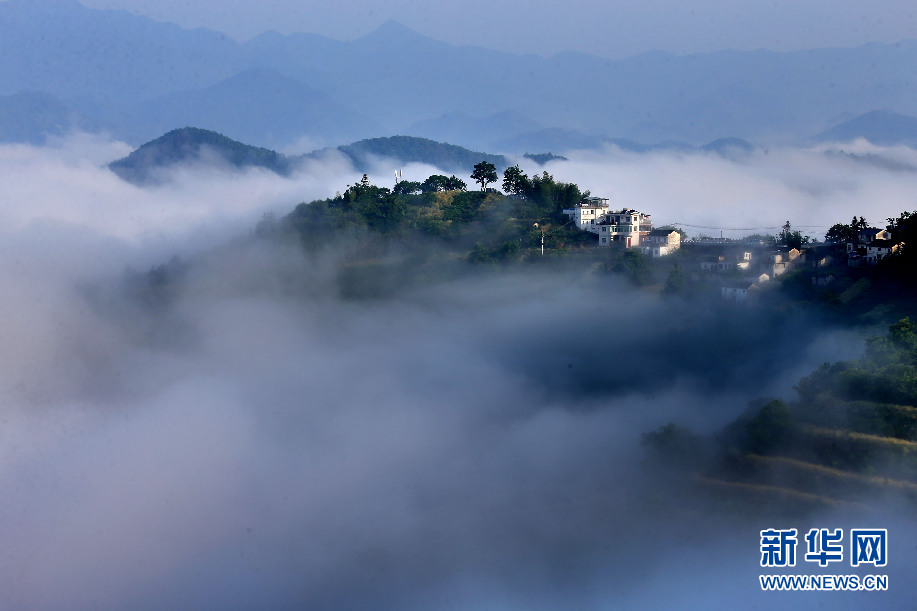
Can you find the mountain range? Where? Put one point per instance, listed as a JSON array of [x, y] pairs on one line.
[[135, 78], [151, 162]]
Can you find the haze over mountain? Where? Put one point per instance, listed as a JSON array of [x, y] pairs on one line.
[[192, 145], [136, 78], [882, 128]]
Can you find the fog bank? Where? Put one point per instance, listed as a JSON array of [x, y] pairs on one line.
[[252, 440]]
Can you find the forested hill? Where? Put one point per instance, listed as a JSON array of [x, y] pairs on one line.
[[409, 149], [879, 127], [191, 144], [850, 440]]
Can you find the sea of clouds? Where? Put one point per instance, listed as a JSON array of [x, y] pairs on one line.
[[470, 444]]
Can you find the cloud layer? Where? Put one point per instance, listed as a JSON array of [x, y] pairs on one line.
[[252, 440]]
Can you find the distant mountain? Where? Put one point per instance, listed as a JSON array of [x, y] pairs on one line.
[[194, 145], [189, 145], [65, 49], [885, 162], [408, 149], [543, 158], [551, 138], [879, 127], [729, 146], [258, 106], [33, 117], [486, 132], [558, 139], [135, 77]]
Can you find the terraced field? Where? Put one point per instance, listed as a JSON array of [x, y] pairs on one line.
[[868, 456]]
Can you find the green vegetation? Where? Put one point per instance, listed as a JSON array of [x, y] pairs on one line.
[[543, 158], [438, 182], [636, 266], [484, 173], [188, 144], [792, 239], [409, 149], [840, 233], [677, 282], [480, 226], [850, 437]]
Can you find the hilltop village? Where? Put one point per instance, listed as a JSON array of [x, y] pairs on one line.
[[419, 232], [740, 267]]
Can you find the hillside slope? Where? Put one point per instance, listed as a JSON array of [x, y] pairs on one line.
[[189, 145]]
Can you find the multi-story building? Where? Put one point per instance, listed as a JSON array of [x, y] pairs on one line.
[[626, 227], [587, 213]]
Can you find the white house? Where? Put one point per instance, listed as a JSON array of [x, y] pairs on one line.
[[871, 234], [780, 262], [722, 264], [736, 292], [661, 242], [626, 227], [586, 213], [878, 250]]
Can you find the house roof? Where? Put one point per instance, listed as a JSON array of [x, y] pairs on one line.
[[881, 244]]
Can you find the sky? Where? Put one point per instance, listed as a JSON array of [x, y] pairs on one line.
[[545, 27]]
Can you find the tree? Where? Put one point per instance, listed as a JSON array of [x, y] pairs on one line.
[[904, 228], [551, 195], [635, 265], [434, 183], [677, 283], [841, 234], [515, 182], [484, 174], [772, 427], [793, 239], [438, 182], [406, 187], [455, 184], [673, 443]]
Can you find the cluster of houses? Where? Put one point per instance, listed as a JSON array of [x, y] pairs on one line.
[[626, 227], [871, 246], [742, 266], [747, 268]]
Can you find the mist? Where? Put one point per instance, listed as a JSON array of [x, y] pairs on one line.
[[254, 440]]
